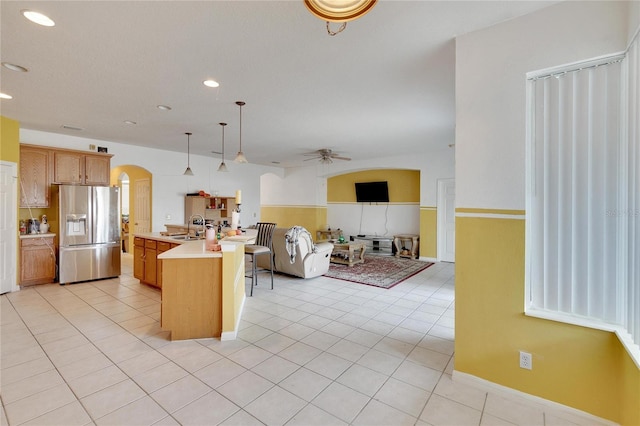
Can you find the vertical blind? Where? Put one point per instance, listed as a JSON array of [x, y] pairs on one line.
[[631, 193], [583, 206]]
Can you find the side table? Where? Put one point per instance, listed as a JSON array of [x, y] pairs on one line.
[[345, 254], [406, 245]]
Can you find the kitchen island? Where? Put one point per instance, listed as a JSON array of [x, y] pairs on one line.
[[202, 291]]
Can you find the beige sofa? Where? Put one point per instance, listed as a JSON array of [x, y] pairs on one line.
[[307, 264]]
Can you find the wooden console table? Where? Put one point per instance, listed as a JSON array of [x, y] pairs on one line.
[[401, 242], [345, 254]]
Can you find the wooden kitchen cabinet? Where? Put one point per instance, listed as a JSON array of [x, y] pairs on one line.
[[34, 177], [151, 262], [138, 258], [146, 266], [97, 170], [37, 260], [72, 167], [162, 247]]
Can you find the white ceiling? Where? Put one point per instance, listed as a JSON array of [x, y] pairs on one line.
[[383, 86]]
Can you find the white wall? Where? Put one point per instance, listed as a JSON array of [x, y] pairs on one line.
[[490, 90], [374, 219], [169, 185]]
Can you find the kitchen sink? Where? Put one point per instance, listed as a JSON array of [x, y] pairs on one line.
[[187, 237]]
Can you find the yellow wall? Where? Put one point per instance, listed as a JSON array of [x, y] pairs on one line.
[[233, 288], [9, 140], [428, 232], [404, 185], [580, 367], [312, 218]]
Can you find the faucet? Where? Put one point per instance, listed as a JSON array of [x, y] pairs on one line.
[[191, 221]]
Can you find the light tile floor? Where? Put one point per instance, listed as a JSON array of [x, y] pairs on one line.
[[310, 352]]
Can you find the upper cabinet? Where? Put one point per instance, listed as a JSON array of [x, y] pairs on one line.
[[80, 168], [67, 167], [40, 166], [97, 170], [34, 177]]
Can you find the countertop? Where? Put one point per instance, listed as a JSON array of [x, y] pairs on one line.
[[48, 234], [195, 248]]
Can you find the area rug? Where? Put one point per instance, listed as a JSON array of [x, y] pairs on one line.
[[378, 271]]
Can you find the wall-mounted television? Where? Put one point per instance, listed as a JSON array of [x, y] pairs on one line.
[[372, 192]]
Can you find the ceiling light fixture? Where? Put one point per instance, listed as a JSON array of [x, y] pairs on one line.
[[5, 96], [38, 18], [130, 122], [188, 172], [14, 67], [240, 158], [211, 83], [223, 166], [339, 11], [164, 107]]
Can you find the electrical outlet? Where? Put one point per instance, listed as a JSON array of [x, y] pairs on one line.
[[92, 147], [526, 360], [167, 216]]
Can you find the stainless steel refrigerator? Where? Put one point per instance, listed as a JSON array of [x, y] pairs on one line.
[[89, 233]]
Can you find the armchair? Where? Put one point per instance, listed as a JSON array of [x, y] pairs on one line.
[[306, 263]]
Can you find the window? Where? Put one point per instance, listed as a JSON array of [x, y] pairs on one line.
[[583, 195]]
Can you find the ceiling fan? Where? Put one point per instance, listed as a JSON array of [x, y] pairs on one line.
[[326, 156]]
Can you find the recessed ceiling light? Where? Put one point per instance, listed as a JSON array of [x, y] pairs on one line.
[[211, 83], [275, 162], [14, 67], [66, 126], [164, 107], [5, 96], [38, 18], [130, 122]]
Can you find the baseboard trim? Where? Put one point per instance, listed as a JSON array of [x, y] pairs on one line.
[[485, 385], [428, 259], [232, 335]]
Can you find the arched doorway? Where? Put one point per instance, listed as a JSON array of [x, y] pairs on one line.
[[136, 181]]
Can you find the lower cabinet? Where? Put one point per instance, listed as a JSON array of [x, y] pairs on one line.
[[37, 260], [146, 266]]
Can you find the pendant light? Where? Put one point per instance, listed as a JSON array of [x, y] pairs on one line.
[[240, 158], [188, 172], [223, 166]]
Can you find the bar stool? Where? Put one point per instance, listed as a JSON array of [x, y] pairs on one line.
[[263, 245], [401, 241]]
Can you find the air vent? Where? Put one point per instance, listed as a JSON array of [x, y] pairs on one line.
[[65, 126]]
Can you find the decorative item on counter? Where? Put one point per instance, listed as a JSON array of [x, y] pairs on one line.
[[23, 227], [44, 225], [341, 239], [211, 242], [34, 226]]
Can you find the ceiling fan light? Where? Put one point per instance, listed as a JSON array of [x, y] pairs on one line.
[[326, 160], [240, 158], [339, 10]]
